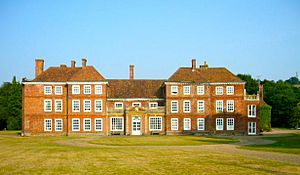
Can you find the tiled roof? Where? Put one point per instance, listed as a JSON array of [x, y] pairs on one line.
[[135, 89], [204, 74], [64, 74]]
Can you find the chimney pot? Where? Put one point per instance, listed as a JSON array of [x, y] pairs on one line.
[[193, 64], [131, 72], [73, 63], [84, 60], [39, 67]]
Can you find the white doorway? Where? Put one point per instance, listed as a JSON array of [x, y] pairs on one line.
[[136, 126]]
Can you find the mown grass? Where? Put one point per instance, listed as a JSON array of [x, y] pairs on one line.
[[161, 141], [283, 144], [42, 155]]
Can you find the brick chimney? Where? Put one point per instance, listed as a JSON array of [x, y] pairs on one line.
[[73, 63], [83, 62], [261, 91], [131, 72], [193, 64], [39, 67]]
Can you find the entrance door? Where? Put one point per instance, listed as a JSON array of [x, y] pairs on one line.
[[136, 126], [251, 128]]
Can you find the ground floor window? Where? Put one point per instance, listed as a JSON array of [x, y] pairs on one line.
[[155, 123], [201, 124], [230, 123], [58, 124], [87, 124], [98, 124], [117, 124], [187, 124], [251, 128], [75, 124], [48, 125], [219, 123], [174, 124]]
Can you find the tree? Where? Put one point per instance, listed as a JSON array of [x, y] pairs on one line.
[[295, 117], [251, 84], [293, 81]]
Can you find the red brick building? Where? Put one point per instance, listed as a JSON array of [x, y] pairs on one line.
[[194, 100]]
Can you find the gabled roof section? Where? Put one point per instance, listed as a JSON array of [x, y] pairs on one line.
[[65, 74], [135, 89], [204, 75]]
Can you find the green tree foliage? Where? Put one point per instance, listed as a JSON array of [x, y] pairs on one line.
[[265, 117], [295, 117], [251, 84], [11, 105], [293, 81]]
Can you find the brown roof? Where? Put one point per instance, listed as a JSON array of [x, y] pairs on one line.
[[64, 74], [135, 89], [204, 74]]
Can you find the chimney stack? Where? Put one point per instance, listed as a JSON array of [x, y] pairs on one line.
[[84, 62], [261, 91], [39, 67], [131, 72], [193, 64], [73, 63]]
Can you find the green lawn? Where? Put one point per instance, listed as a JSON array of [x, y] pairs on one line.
[[42, 155], [283, 144], [161, 140]]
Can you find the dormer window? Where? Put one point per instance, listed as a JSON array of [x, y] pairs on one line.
[[153, 105], [136, 104], [118, 105], [174, 90]]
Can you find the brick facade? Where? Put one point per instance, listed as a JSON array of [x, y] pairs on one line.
[[136, 107]]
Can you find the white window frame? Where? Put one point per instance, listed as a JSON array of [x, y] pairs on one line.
[[98, 91], [73, 119], [219, 90], [45, 105], [174, 90], [188, 106], [57, 127], [96, 124], [73, 109], [252, 128], [56, 104], [156, 125], [219, 127], [113, 127], [47, 91], [47, 128], [218, 102], [96, 108], [139, 104], [251, 111], [230, 103], [230, 90], [75, 88], [57, 91], [200, 90], [87, 89], [187, 124], [118, 103], [202, 122], [85, 124], [201, 106], [85, 108], [186, 90], [177, 104], [174, 127], [230, 127], [153, 105]]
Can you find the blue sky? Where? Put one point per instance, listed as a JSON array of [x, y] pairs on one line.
[[257, 37]]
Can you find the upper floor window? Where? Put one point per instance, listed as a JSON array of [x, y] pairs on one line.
[[153, 105], [87, 105], [136, 104], [58, 106], [98, 105], [230, 105], [75, 105], [219, 90], [47, 90], [75, 89], [200, 105], [118, 105], [186, 106], [186, 90], [174, 106], [230, 90], [251, 110], [219, 106], [58, 90], [174, 90], [98, 89], [87, 89], [200, 90], [47, 105]]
